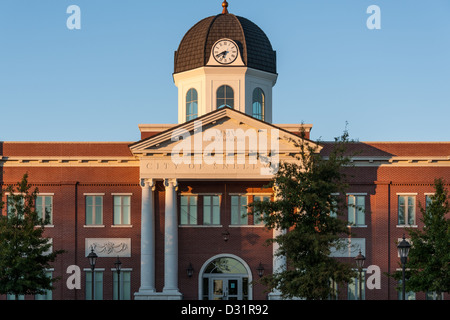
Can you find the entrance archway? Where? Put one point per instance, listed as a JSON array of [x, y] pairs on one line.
[[225, 277]]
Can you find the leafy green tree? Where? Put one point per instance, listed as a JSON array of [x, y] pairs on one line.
[[307, 205], [24, 253], [428, 265]]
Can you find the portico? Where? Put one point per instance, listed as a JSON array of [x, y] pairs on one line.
[[198, 157]]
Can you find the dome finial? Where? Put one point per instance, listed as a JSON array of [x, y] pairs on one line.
[[225, 7]]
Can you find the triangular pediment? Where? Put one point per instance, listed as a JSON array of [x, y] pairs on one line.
[[223, 144], [226, 124]]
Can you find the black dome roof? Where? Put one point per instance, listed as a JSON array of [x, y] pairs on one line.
[[195, 48]]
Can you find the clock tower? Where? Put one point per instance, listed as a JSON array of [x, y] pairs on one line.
[[225, 61]]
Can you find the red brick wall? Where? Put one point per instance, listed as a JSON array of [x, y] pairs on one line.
[[198, 244]]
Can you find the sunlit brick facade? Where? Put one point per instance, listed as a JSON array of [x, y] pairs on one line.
[[176, 227]]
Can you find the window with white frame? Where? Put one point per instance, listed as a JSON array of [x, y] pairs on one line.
[[98, 285], [356, 209], [239, 210], [428, 199], [94, 209], [211, 210], [125, 285], [225, 97], [353, 291], [257, 216], [188, 210], [429, 295], [409, 295], [258, 104], [44, 208], [13, 204], [191, 105], [48, 293], [122, 209], [406, 209]]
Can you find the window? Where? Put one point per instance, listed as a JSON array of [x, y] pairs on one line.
[[122, 210], [191, 105], [356, 207], [257, 216], [225, 97], [353, 287], [406, 209], [125, 285], [94, 210], [428, 200], [98, 285], [409, 295], [44, 208], [211, 210], [188, 210], [48, 293], [433, 296], [334, 290], [259, 104], [239, 210], [14, 205]]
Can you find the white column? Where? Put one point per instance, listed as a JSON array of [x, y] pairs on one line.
[[279, 262], [171, 240], [147, 238]]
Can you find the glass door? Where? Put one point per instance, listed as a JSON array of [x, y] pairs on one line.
[[233, 291], [217, 290], [225, 289]]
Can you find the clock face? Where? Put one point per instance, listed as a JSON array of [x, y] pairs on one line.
[[225, 51]]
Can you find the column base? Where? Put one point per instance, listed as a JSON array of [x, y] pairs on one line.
[[274, 296], [168, 295]]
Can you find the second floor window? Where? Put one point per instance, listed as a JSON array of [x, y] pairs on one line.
[[257, 216], [211, 210], [188, 210], [356, 207], [406, 209], [239, 210], [44, 208], [122, 210], [94, 210]]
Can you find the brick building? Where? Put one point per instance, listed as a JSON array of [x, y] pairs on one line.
[[173, 220]]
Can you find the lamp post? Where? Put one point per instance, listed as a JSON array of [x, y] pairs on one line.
[[118, 266], [92, 261], [403, 251], [359, 259]]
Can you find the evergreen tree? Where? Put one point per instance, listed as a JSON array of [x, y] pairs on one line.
[[428, 265], [307, 205], [24, 254]]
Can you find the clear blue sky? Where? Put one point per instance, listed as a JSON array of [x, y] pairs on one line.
[[100, 82]]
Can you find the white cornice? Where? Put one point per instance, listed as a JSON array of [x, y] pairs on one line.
[[412, 161], [21, 161]]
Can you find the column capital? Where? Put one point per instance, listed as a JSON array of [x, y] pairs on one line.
[[148, 182], [171, 182]]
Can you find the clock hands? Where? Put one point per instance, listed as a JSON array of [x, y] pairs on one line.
[[223, 54]]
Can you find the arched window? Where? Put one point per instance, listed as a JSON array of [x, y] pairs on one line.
[[225, 97], [259, 103], [191, 105]]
